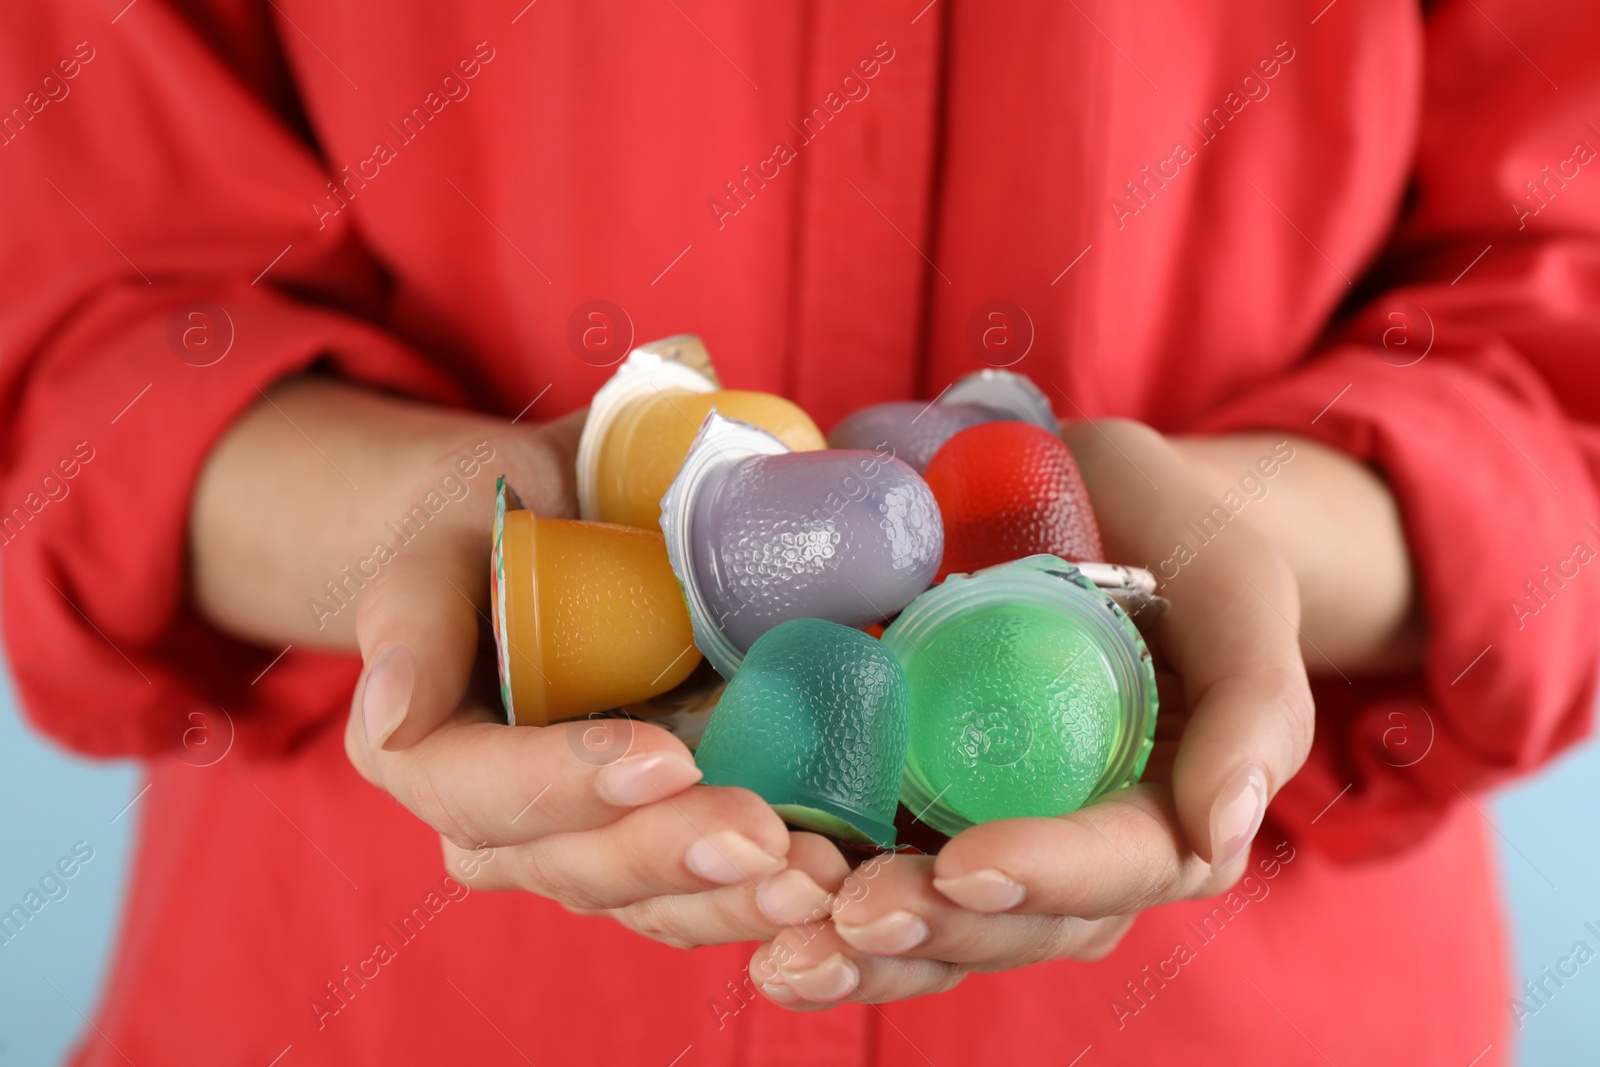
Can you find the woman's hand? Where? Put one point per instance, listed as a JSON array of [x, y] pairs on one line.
[[594, 814], [1235, 725]]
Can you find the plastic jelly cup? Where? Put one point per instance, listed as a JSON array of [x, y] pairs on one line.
[[913, 431], [759, 535], [1008, 490], [642, 422], [1032, 694], [815, 723], [587, 616]]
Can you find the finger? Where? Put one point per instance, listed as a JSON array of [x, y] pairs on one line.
[[484, 783], [1117, 856], [418, 620], [812, 967], [540, 464], [1231, 634], [792, 897], [889, 907], [417, 625], [701, 839], [1233, 639], [561, 438]]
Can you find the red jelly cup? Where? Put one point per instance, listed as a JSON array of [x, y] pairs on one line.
[[1008, 490]]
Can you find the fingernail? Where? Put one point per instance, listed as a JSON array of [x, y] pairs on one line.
[[832, 979], [887, 935], [727, 858], [637, 780], [986, 890], [387, 694], [1236, 814], [779, 993], [790, 898]]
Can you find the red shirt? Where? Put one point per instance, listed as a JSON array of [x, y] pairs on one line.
[[1362, 224]]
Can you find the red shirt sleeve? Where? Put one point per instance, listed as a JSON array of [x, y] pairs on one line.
[[1470, 381], [161, 267]]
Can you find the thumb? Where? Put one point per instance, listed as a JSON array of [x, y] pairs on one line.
[[1231, 636], [418, 632], [418, 627]]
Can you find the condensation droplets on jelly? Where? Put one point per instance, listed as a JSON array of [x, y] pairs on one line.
[[847, 536], [1015, 706]]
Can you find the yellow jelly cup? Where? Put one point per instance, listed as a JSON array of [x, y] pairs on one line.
[[646, 444], [642, 422]]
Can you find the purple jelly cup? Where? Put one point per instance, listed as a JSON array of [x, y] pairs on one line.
[[759, 535], [913, 430], [909, 430]]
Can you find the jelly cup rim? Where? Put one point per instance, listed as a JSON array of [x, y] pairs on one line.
[[720, 444], [645, 371], [502, 616], [1005, 391], [497, 592], [1052, 582]]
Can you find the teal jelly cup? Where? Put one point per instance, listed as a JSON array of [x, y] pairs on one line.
[[1032, 694], [815, 723]]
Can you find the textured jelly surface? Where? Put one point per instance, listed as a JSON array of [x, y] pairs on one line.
[[846, 536], [612, 625], [1008, 490], [908, 429], [646, 445], [816, 716], [1015, 713]]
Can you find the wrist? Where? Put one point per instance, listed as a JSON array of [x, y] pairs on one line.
[[321, 481], [1338, 526]]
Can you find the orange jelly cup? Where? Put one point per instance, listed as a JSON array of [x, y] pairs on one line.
[[587, 617]]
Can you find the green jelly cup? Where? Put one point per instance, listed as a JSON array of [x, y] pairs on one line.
[[1032, 694], [815, 723]]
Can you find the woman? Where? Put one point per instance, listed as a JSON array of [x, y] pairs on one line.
[[281, 272]]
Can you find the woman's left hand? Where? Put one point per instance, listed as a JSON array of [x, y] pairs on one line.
[[1236, 724]]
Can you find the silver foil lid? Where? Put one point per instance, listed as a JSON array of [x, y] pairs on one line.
[[1005, 391], [721, 443], [673, 365]]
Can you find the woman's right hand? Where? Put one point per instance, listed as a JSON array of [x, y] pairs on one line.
[[595, 814]]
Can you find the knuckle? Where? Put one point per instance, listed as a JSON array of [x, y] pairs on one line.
[[1102, 938], [1156, 876], [1054, 935], [950, 978], [900, 979], [541, 870], [650, 918], [423, 793], [1054, 940], [468, 866]]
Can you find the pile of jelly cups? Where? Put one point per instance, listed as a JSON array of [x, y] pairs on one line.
[[732, 567]]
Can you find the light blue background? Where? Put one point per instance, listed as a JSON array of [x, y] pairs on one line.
[[51, 800]]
